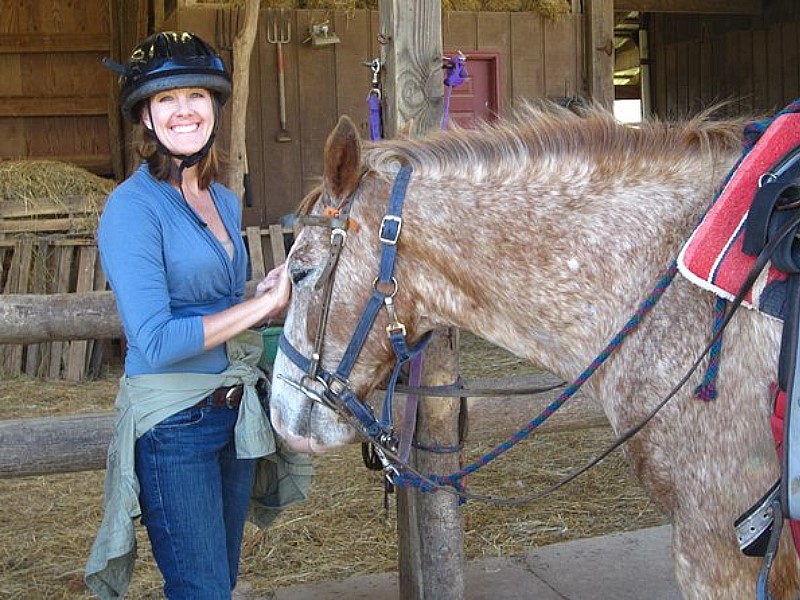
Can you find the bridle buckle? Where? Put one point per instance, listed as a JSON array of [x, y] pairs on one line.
[[388, 237]]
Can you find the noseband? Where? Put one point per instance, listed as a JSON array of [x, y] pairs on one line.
[[332, 389]]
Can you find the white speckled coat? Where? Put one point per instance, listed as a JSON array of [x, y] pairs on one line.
[[542, 235]]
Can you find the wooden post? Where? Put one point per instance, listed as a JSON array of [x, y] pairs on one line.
[[413, 83], [599, 30], [242, 49], [430, 525]]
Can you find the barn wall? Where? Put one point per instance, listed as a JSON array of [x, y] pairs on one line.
[[538, 58], [58, 102], [750, 62], [54, 99]]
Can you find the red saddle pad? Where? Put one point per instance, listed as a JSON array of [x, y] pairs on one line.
[[712, 258]]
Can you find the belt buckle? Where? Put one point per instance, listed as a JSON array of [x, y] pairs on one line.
[[229, 397]]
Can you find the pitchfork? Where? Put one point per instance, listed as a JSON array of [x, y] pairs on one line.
[[279, 32]]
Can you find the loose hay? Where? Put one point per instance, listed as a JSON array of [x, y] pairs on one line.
[[549, 8], [48, 523], [48, 180], [44, 186]]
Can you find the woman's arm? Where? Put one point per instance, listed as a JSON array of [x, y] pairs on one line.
[[275, 293]]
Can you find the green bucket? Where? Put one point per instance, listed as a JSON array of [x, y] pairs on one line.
[[269, 339]]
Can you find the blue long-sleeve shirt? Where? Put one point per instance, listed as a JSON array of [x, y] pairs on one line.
[[167, 270]]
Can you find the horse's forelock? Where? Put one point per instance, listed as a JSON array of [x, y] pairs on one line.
[[517, 147]]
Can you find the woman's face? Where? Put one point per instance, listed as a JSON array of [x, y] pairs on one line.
[[183, 119]]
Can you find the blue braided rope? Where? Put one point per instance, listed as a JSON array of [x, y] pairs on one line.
[[707, 390], [406, 479]]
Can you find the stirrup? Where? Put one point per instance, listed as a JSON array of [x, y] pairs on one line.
[[753, 528]]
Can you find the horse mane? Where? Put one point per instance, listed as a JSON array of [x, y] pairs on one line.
[[536, 135]]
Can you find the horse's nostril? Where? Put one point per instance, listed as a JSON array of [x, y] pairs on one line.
[[299, 274]]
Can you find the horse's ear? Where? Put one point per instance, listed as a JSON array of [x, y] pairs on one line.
[[342, 159]]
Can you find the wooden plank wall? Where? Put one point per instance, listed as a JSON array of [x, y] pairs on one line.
[[55, 100], [750, 62], [538, 57], [38, 265]]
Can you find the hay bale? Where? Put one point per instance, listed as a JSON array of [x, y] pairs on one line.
[[48, 179]]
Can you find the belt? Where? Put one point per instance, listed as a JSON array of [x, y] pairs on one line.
[[224, 397]]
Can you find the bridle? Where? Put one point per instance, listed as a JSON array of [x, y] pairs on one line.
[[332, 388]]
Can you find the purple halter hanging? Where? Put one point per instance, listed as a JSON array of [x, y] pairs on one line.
[[456, 75]]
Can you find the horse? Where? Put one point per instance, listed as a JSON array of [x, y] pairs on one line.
[[542, 233]]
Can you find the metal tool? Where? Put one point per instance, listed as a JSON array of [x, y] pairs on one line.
[[279, 32]]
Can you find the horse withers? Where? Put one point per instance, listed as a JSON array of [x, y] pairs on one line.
[[542, 234]]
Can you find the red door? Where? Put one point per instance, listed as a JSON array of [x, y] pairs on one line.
[[478, 97]]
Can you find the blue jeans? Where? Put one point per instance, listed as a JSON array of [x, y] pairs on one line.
[[194, 497]]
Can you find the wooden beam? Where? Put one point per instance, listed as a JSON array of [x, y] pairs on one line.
[[63, 224], [599, 33], [68, 444], [412, 63], [30, 318], [243, 45], [430, 525], [13, 208], [704, 7], [33, 43], [54, 106], [54, 445]]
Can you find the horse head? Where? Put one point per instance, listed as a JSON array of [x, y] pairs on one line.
[[333, 266]]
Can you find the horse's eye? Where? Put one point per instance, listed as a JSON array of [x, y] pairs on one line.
[[298, 274]]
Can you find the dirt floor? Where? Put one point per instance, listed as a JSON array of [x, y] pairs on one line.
[[47, 523]]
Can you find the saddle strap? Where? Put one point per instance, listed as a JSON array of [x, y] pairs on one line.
[[776, 421]]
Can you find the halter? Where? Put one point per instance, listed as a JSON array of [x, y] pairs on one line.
[[332, 389]]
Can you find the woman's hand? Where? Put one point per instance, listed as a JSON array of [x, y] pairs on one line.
[[270, 280], [277, 285]]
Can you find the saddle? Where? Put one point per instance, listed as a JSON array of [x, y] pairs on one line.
[[774, 217], [758, 209]]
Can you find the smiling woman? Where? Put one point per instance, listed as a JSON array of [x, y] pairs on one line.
[[188, 410]]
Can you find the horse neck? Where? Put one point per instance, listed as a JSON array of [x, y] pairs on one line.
[[548, 270]]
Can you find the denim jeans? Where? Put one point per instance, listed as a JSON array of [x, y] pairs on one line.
[[194, 496]]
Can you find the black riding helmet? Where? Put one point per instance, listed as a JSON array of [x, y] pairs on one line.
[[169, 60]]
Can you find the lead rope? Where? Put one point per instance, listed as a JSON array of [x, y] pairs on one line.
[[428, 482], [404, 479]]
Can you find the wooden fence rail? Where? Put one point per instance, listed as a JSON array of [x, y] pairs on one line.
[[43, 446], [56, 314]]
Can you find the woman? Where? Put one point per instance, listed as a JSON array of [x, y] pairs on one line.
[[189, 420]]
